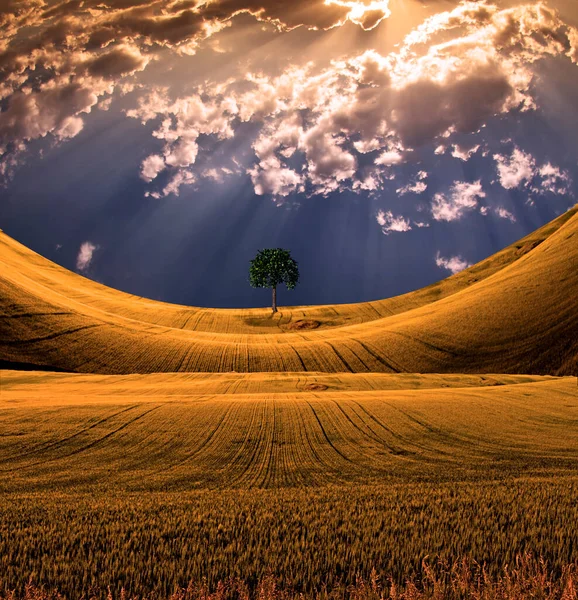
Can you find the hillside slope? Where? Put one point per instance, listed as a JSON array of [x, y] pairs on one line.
[[514, 312], [187, 431]]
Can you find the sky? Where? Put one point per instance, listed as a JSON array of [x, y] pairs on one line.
[[156, 146]]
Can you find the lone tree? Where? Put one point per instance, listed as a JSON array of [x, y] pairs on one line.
[[272, 267]]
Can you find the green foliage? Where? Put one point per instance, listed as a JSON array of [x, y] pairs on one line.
[[272, 267]]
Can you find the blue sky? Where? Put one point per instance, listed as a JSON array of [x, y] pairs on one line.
[[156, 146]]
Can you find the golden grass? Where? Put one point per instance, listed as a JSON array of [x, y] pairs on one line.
[[306, 539], [144, 483], [197, 443], [514, 312], [527, 578], [188, 431]]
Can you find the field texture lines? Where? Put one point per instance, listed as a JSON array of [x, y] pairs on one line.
[[172, 431], [144, 445], [514, 312]]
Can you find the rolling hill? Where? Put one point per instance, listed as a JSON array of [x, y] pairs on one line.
[[149, 463], [280, 430], [514, 312]]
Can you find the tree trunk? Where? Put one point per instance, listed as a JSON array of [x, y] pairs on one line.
[[274, 299]]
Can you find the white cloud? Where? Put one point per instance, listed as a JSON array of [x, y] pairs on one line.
[[463, 152], [573, 51], [418, 186], [388, 158], [388, 222], [48, 86], [184, 153], [453, 264], [151, 166], [85, 254], [451, 75], [505, 214], [276, 181], [179, 179], [520, 170], [554, 180], [217, 174], [517, 169], [462, 197]]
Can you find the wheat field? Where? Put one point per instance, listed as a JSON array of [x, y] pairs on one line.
[[144, 446], [180, 431], [513, 313]]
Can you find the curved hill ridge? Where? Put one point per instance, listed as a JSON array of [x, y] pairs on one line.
[[514, 312]]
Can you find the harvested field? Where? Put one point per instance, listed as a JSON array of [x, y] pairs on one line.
[[193, 431], [514, 312]]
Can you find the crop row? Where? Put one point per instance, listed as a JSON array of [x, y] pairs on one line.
[[287, 440]]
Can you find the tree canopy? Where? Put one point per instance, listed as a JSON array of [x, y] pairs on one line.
[[272, 267]]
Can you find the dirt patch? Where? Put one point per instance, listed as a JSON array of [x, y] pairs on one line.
[[257, 322], [527, 247], [315, 387], [489, 381], [303, 324]]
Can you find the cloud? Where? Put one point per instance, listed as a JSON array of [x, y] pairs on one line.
[[61, 58], [454, 264], [418, 186], [85, 254], [415, 188], [573, 50], [316, 14], [316, 129], [452, 75], [50, 91], [553, 179], [119, 61], [179, 179], [276, 181], [462, 197], [520, 170], [388, 158], [152, 166], [388, 222], [463, 152], [505, 214], [517, 169]]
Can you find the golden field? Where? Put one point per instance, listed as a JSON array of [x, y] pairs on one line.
[[308, 538], [514, 312], [145, 445], [193, 431]]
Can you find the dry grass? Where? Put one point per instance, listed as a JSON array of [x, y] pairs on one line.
[[308, 540], [527, 578], [514, 312], [189, 431]]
